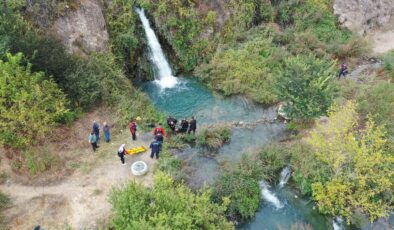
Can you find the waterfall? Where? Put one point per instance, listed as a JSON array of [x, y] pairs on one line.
[[337, 223], [269, 196], [164, 76], [284, 176]]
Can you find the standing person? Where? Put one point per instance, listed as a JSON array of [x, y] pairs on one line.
[[106, 132], [171, 122], [193, 126], [159, 129], [96, 130], [159, 137], [133, 129], [121, 153], [156, 148], [93, 141], [343, 71], [184, 125]]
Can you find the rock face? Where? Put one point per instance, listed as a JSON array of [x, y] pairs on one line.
[[83, 30], [374, 18], [365, 15]]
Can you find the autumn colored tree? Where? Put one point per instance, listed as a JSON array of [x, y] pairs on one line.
[[360, 174]]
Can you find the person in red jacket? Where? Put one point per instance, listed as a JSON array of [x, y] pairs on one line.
[[133, 129], [159, 129]]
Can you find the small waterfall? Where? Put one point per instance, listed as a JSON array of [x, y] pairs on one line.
[[337, 223], [284, 176], [165, 78], [269, 196]]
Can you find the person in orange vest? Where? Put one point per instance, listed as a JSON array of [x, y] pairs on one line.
[[159, 129]]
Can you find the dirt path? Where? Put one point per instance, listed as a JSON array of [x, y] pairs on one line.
[[80, 201]]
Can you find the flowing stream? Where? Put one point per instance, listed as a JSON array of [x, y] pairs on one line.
[[252, 127]]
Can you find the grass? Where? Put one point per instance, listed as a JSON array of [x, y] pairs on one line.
[[4, 203], [213, 138]]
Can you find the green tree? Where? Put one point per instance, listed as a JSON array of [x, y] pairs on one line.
[[30, 105], [306, 86], [167, 205], [360, 174]]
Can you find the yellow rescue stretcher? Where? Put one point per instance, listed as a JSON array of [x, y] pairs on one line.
[[136, 150]]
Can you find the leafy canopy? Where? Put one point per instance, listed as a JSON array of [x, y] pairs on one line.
[[359, 174], [306, 85], [166, 206], [29, 105]]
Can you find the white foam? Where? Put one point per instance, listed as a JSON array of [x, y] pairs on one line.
[[165, 79], [269, 196]]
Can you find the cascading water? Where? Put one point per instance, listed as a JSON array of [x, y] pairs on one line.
[[337, 223], [284, 176], [164, 76], [269, 196]]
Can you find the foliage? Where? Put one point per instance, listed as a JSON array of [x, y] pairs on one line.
[[183, 27], [213, 138], [169, 164], [359, 169], [244, 193], [30, 105], [389, 63], [181, 141], [306, 86], [39, 162], [378, 100], [241, 184], [244, 68], [4, 203], [166, 206]]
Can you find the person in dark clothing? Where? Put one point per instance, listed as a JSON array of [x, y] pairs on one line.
[[172, 123], [96, 130], [156, 148], [159, 137], [121, 153], [193, 126], [133, 129], [343, 71], [184, 126], [38, 227]]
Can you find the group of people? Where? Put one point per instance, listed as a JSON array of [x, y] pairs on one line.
[[94, 136], [158, 132], [185, 125]]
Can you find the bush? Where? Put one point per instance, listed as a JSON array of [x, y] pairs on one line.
[[213, 138], [359, 166], [166, 206], [181, 141], [30, 105], [389, 63], [169, 164], [243, 191], [307, 87]]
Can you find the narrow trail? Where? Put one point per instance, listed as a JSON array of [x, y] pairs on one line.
[[81, 201]]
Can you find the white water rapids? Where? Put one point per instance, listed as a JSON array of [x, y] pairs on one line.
[[164, 76], [269, 196]]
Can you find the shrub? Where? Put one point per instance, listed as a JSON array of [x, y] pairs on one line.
[[213, 138], [166, 206], [169, 164], [306, 85], [243, 191], [359, 167], [30, 105], [389, 63]]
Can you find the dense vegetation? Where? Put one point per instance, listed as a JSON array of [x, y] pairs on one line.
[[270, 51], [167, 205]]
